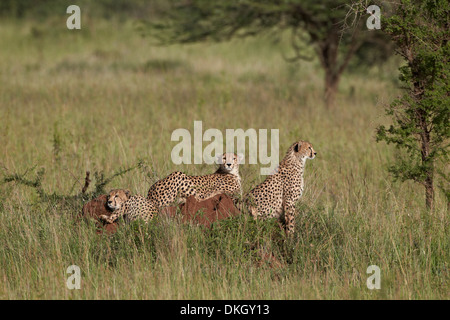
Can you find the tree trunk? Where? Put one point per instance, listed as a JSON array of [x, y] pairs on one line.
[[429, 192], [428, 183], [331, 87], [328, 53], [425, 138], [426, 160]]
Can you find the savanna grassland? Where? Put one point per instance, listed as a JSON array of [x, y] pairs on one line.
[[104, 99]]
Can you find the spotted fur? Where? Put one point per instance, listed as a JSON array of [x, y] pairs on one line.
[[178, 186], [278, 194], [129, 207]]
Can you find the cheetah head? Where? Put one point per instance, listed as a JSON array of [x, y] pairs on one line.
[[117, 197], [229, 163], [303, 150]]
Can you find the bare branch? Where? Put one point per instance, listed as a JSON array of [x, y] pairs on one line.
[[87, 181]]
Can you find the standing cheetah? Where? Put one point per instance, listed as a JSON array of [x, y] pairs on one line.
[[130, 207], [180, 186], [279, 192]]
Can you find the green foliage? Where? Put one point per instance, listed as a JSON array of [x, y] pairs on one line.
[[421, 115], [311, 22], [201, 20]]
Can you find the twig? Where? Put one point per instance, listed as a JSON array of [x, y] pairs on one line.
[[87, 181]]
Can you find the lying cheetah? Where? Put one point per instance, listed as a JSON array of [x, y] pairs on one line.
[[180, 186], [130, 207], [280, 191]]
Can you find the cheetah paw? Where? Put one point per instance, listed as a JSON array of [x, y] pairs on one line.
[[106, 218]]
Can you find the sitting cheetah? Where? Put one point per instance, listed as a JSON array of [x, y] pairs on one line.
[[280, 191], [131, 207], [180, 186]]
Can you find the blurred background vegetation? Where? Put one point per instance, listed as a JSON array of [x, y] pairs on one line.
[[44, 9], [328, 30]]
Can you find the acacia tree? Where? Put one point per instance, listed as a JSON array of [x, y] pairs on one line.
[[420, 30], [317, 23]]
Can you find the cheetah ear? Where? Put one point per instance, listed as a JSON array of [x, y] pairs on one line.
[[240, 157], [297, 147], [127, 193]]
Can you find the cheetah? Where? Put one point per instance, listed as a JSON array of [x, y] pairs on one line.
[[131, 207], [179, 186], [280, 191]]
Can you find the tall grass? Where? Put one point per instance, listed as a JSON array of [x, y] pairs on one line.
[[104, 98]]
